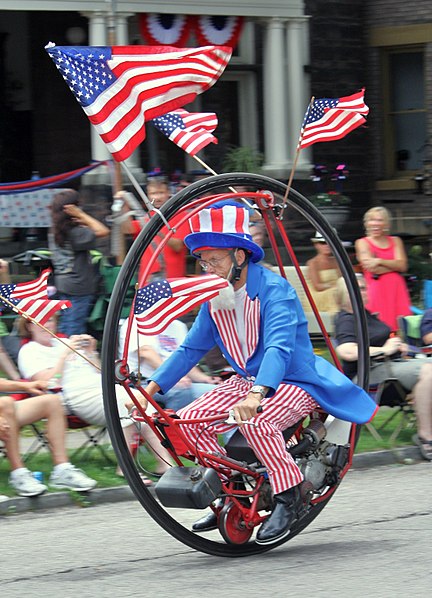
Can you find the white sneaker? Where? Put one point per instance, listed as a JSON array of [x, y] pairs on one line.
[[25, 484], [71, 478]]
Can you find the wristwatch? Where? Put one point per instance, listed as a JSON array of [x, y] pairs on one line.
[[262, 390]]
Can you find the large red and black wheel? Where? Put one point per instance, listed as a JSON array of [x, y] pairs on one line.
[[298, 209]]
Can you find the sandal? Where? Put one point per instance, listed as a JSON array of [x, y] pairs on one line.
[[425, 447], [145, 480]]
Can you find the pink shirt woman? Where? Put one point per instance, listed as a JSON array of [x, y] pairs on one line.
[[383, 259]]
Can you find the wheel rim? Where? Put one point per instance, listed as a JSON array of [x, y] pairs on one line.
[[109, 353]]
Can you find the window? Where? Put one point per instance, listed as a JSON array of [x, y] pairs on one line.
[[405, 136]]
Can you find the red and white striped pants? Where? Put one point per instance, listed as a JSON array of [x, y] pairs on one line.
[[285, 408]]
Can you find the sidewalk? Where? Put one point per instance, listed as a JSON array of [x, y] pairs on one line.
[[402, 456]]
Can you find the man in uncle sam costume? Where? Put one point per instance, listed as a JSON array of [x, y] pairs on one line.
[[259, 325]]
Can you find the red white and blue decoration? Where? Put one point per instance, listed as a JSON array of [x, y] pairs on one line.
[[226, 30], [225, 227], [162, 29]]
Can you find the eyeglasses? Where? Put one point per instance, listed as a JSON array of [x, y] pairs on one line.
[[213, 263]]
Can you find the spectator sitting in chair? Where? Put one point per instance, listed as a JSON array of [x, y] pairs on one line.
[[153, 350], [45, 357], [426, 327], [16, 414], [415, 375]]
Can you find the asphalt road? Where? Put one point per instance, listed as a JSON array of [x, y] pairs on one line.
[[372, 539]]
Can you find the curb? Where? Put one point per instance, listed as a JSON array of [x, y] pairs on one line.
[[19, 504]]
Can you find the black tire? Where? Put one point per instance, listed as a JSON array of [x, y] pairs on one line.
[[210, 185]]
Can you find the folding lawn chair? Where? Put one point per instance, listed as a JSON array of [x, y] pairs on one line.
[[94, 436], [390, 394], [409, 327]]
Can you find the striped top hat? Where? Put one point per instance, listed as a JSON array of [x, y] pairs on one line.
[[225, 227]]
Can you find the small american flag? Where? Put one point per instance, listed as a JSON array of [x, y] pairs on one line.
[[329, 119], [122, 87], [162, 301], [41, 310], [191, 131], [33, 289]]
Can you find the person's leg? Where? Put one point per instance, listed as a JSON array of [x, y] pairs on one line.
[[219, 400], [47, 407], [199, 388], [74, 320], [423, 402], [176, 398], [130, 429], [20, 478], [288, 406], [7, 410]]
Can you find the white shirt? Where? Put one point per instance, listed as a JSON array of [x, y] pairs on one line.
[[164, 344], [239, 297]]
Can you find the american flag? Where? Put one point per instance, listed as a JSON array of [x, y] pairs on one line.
[[329, 119], [191, 131], [162, 301], [32, 298], [33, 289], [41, 310], [122, 87]]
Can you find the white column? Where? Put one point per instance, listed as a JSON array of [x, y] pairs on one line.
[[122, 39], [97, 37], [276, 134], [298, 86]]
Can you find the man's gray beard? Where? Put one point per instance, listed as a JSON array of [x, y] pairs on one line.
[[225, 299]]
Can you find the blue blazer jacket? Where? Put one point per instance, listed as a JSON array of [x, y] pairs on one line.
[[284, 353]]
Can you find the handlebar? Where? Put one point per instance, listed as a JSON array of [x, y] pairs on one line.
[[222, 417]]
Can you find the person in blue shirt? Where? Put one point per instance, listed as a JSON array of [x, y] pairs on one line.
[[259, 325], [426, 327]]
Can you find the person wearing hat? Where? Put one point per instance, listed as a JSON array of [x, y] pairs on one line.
[[322, 275], [260, 327]]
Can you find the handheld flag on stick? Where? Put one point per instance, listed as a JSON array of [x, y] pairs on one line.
[[122, 87], [41, 310], [329, 119], [162, 301], [191, 131], [31, 299], [32, 289]]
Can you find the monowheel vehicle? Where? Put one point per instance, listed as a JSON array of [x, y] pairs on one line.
[[235, 485]]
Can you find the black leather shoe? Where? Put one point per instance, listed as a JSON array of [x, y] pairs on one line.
[[285, 512], [207, 523]]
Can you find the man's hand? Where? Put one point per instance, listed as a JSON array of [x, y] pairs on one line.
[[152, 388], [247, 409]]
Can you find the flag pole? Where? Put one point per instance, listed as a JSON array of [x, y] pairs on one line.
[[204, 165], [34, 321], [150, 207], [296, 157]]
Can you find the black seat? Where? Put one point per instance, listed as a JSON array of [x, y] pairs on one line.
[[238, 448]]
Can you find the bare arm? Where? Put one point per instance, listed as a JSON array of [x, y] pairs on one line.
[[378, 265], [34, 387], [427, 339], [349, 351], [314, 276], [150, 356], [400, 261], [99, 229]]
